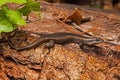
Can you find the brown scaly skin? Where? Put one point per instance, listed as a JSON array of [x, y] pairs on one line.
[[60, 38]]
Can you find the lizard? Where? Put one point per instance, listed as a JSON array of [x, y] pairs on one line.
[[60, 38]]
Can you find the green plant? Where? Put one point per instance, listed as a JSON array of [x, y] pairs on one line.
[[9, 19]]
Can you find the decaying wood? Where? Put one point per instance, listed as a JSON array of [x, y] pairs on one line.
[[69, 61]]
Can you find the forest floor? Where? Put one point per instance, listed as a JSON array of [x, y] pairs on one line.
[[69, 61]]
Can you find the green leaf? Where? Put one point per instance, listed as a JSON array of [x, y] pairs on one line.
[[35, 6], [2, 15], [13, 16], [14, 1], [6, 26], [30, 6], [25, 10]]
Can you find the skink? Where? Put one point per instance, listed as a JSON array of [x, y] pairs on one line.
[[61, 38]]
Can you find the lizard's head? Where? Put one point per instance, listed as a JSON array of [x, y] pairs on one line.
[[96, 40]]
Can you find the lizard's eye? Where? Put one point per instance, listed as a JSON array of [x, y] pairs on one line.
[[99, 39]]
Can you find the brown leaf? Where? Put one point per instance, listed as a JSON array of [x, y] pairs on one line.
[[75, 16]]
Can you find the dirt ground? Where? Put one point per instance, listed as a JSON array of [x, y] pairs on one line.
[[69, 61]]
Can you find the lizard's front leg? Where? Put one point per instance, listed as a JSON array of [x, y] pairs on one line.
[[50, 44]]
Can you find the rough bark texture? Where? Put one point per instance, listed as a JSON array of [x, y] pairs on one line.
[[69, 61]]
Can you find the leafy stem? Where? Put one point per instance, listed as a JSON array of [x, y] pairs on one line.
[[9, 18]]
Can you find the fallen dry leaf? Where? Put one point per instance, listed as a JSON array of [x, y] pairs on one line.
[[75, 16]]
